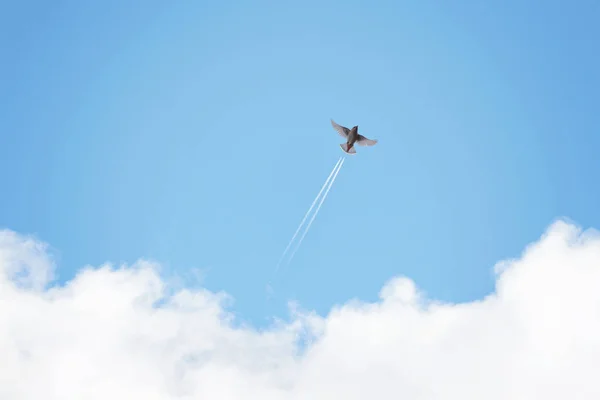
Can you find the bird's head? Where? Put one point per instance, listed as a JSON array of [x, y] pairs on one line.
[[355, 128]]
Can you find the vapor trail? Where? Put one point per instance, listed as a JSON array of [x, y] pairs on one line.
[[308, 212], [339, 167]]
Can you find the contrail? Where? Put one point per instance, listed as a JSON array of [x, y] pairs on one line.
[[309, 210], [339, 167]]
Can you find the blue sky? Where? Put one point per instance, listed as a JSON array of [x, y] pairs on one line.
[[198, 135]]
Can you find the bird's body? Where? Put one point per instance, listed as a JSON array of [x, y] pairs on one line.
[[352, 137]]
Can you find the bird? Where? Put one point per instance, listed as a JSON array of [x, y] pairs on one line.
[[352, 136]]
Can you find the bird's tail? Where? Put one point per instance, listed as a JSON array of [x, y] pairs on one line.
[[344, 147]]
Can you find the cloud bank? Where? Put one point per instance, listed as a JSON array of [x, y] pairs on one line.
[[125, 333]]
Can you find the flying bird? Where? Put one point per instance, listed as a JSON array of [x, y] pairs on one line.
[[352, 136]]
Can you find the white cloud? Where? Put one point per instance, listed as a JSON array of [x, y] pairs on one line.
[[101, 336]]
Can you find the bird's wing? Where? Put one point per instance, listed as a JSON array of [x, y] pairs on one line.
[[342, 130], [363, 141]]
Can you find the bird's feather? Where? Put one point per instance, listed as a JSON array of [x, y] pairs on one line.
[[363, 141], [341, 130]]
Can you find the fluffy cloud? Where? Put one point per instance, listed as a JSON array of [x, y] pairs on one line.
[[125, 333]]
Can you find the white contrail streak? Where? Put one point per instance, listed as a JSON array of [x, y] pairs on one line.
[[316, 211], [309, 210]]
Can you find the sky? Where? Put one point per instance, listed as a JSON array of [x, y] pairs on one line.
[[184, 142]]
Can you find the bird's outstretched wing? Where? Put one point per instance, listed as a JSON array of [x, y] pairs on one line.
[[342, 130], [363, 141]]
